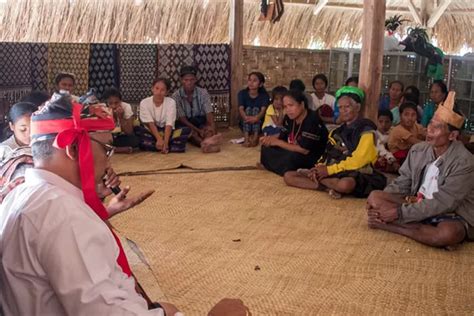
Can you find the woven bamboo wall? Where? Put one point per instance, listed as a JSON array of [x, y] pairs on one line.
[[281, 65]]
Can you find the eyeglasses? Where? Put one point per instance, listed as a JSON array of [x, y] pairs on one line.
[[109, 149]]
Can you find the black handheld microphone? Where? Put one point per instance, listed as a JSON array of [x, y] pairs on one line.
[[116, 190]]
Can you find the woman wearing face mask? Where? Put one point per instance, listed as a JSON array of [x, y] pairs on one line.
[[19, 121]]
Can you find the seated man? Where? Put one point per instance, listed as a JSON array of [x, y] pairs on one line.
[[193, 107], [55, 225], [432, 201], [53, 232], [351, 151]]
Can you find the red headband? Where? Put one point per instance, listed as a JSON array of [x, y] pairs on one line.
[[76, 131]]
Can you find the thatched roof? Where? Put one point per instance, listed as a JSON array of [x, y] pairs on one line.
[[206, 21]]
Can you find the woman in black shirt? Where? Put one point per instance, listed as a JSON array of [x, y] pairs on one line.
[[301, 142]]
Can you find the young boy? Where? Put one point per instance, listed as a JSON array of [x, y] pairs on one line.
[[386, 162], [274, 114], [406, 134]]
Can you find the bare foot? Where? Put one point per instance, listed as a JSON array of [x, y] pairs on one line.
[[246, 144], [211, 149], [334, 194]]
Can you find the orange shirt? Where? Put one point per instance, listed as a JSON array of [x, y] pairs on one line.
[[401, 138]]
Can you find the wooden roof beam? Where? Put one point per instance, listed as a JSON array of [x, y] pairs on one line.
[[416, 15], [319, 6], [342, 6], [434, 18]]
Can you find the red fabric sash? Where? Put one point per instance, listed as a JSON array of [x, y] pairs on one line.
[[75, 131]]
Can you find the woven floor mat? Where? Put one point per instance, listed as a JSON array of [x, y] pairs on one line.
[[284, 251], [231, 155]]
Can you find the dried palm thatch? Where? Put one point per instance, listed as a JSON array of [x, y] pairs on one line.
[[206, 21], [118, 21]]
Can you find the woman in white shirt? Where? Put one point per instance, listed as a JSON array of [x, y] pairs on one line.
[[158, 116], [19, 121]]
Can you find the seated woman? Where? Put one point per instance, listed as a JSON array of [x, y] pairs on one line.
[[15, 153], [158, 115], [393, 100], [438, 93], [64, 83], [253, 102], [124, 137], [19, 121], [406, 134], [302, 139], [323, 101], [351, 151]]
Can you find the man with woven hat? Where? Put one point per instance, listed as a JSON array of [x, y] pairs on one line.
[[432, 201], [58, 254], [346, 167], [193, 107]]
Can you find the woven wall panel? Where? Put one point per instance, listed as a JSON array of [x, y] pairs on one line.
[[280, 66]]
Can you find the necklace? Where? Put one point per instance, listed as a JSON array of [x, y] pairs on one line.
[[293, 137]]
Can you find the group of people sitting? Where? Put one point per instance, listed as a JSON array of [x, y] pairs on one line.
[[432, 199], [54, 229]]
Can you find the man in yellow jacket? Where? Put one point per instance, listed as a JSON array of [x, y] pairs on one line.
[[346, 167]]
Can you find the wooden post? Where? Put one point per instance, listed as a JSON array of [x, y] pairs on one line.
[[236, 32], [371, 58]]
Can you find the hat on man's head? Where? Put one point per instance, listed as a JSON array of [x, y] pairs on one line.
[[446, 113], [354, 93], [187, 70]]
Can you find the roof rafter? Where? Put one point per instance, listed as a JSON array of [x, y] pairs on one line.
[[320, 6], [436, 15], [416, 15]]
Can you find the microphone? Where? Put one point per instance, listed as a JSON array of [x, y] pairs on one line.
[[116, 190]]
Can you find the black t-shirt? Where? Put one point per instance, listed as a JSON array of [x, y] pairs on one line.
[[312, 135], [245, 100]]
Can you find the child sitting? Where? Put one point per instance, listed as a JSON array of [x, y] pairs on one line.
[[386, 162], [406, 134], [275, 114], [124, 138], [253, 102]]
